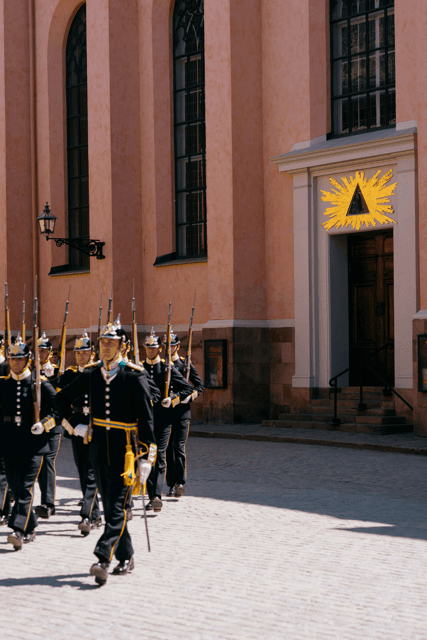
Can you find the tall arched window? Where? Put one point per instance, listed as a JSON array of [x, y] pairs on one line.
[[189, 126], [77, 137], [363, 65]]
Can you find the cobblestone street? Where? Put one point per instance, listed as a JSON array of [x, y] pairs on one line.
[[271, 541]]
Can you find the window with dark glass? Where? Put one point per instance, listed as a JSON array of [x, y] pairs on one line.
[[363, 65], [189, 127], [77, 137]]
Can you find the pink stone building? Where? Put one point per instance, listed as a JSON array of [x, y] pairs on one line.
[[198, 141]]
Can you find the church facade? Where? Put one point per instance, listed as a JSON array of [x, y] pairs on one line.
[[265, 155]]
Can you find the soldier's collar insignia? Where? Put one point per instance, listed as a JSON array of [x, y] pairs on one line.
[[21, 376], [152, 362]]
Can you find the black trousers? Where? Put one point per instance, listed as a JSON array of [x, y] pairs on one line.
[[47, 477], [89, 487], [176, 467], [116, 539], [22, 472], [157, 475], [5, 494]]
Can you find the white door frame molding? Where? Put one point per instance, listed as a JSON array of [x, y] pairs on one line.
[[321, 316]]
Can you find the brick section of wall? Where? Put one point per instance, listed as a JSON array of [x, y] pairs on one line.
[[247, 396], [282, 368]]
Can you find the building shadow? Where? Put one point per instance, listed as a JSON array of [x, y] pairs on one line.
[[51, 581]]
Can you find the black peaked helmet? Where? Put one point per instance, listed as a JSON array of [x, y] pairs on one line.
[[152, 340], [175, 341], [83, 343], [112, 330], [121, 332], [19, 349], [44, 342]]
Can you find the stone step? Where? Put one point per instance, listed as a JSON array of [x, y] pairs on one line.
[[351, 403], [373, 429], [340, 410], [361, 419], [304, 411], [378, 390], [356, 396]]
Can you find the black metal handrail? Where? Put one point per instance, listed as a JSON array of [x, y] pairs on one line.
[[333, 382]]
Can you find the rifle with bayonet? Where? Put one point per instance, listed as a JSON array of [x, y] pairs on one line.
[[110, 305], [23, 317], [99, 329], [190, 339], [134, 330], [63, 337], [168, 369], [36, 386], [7, 338]]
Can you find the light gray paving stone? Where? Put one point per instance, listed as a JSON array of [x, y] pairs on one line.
[[270, 541]]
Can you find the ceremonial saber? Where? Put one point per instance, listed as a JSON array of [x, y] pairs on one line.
[[138, 462]]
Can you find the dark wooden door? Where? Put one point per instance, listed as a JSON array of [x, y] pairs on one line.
[[371, 303]]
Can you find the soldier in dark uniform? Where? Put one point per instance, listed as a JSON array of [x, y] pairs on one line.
[[163, 415], [5, 494], [176, 467], [89, 513], [23, 443], [47, 476], [121, 406]]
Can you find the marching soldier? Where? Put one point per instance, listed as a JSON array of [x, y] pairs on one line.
[[163, 416], [22, 441], [47, 476], [176, 466], [5, 495], [121, 409], [89, 513]]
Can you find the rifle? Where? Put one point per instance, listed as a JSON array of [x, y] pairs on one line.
[[134, 330], [99, 329], [110, 305], [63, 337], [168, 369], [190, 338], [36, 386], [138, 464], [23, 317], [7, 339]]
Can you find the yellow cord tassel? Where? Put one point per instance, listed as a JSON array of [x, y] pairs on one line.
[[129, 475]]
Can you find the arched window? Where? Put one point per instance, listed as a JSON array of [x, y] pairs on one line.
[[189, 126], [77, 137], [362, 65]]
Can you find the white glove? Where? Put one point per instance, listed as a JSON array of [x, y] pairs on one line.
[[37, 429], [48, 369], [145, 467], [80, 430], [187, 400], [166, 403]]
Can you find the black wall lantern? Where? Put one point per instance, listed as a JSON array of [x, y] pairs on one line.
[[91, 248]]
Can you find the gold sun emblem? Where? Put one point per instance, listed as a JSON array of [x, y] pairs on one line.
[[359, 201]]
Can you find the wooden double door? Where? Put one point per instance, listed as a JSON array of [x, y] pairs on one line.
[[371, 302]]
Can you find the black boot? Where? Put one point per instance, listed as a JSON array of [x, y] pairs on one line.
[[179, 490], [45, 511], [16, 538], [29, 537], [100, 571], [124, 567], [84, 527]]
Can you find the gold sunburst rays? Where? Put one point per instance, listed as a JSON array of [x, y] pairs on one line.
[[376, 192]]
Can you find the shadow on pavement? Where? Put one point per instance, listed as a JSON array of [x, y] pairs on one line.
[[50, 581]]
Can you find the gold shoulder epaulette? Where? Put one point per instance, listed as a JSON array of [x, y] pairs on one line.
[[137, 367], [183, 359], [92, 364], [72, 368], [43, 377], [162, 359], [5, 377]]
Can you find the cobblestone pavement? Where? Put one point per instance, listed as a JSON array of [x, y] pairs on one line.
[[397, 443], [271, 541]]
